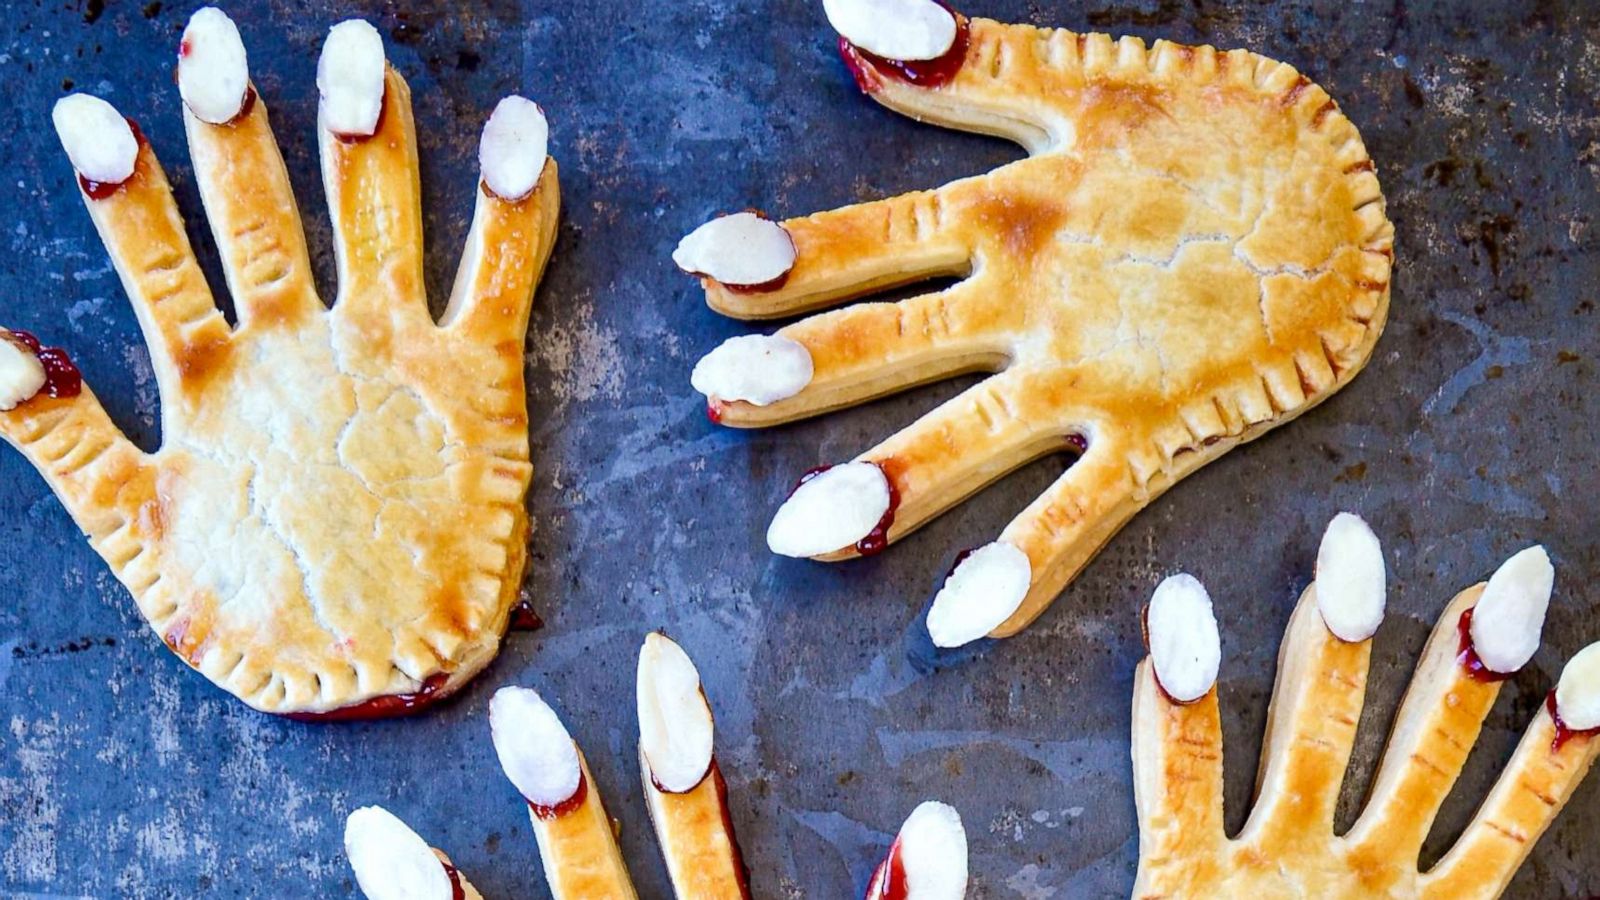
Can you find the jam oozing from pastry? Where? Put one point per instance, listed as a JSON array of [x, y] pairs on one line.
[[386, 707], [61, 376], [1468, 656], [1564, 732], [1078, 444], [245, 107], [546, 813], [383, 110], [523, 618], [457, 892], [99, 190], [878, 538], [714, 411], [764, 286], [926, 73], [890, 879]]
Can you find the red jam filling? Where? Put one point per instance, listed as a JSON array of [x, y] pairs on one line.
[[546, 813], [890, 879], [878, 538], [381, 707], [457, 892], [714, 411], [523, 618], [867, 67], [383, 110], [1078, 444], [99, 190], [760, 288], [61, 376], [1564, 732], [1468, 656], [245, 107]]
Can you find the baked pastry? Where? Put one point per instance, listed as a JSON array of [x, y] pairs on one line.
[[1195, 251], [334, 523], [392, 862], [1287, 848]]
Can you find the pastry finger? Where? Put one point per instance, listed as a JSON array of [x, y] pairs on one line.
[[242, 178], [132, 207], [683, 786], [1555, 753], [825, 258], [392, 862], [853, 355], [369, 172], [1450, 696], [575, 836], [513, 230]]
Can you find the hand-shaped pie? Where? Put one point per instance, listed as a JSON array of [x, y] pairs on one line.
[[1194, 252], [333, 524], [1288, 848]]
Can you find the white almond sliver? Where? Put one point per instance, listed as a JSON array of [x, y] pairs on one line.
[[933, 853], [756, 368], [350, 79], [1578, 692], [983, 591], [675, 725], [513, 148], [535, 750], [1509, 617], [390, 861], [833, 510], [97, 138], [213, 72], [894, 29], [742, 249], [21, 374], [1184, 646], [1350, 578]]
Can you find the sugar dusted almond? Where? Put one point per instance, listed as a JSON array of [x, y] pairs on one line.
[[756, 368], [535, 750], [512, 151], [390, 861], [1350, 579], [1182, 631], [742, 250], [982, 591], [350, 75], [830, 511], [213, 71], [1509, 617], [931, 850], [22, 376], [894, 29], [1578, 692], [675, 724], [97, 138]]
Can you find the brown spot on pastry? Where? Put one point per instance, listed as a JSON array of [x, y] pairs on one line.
[[200, 359], [1023, 225]]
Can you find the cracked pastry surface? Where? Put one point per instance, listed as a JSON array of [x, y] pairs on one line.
[[334, 522], [1194, 252]]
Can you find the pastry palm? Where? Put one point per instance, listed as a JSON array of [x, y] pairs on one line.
[[335, 513], [1194, 252], [1288, 848]]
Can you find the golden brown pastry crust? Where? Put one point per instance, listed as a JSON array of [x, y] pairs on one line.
[[1287, 848], [697, 839], [579, 850], [1195, 252], [336, 511]]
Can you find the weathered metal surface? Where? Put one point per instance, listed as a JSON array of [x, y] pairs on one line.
[[1470, 435]]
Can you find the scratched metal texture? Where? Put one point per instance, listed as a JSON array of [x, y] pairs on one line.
[[1470, 435]]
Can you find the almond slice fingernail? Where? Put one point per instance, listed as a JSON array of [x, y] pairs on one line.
[[928, 860], [742, 250], [1181, 629], [1350, 579], [675, 724], [1578, 692], [894, 29], [830, 510], [983, 590], [98, 139], [756, 368], [213, 71], [1509, 617], [390, 860], [22, 375], [535, 750], [350, 75], [512, 151]]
